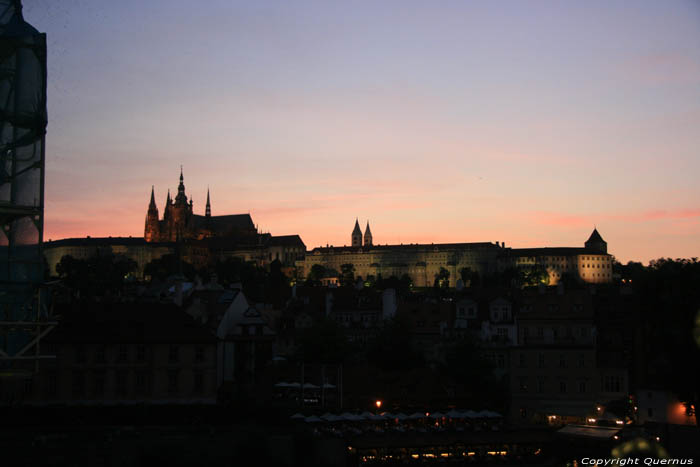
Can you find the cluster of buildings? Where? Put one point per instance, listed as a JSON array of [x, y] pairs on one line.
[[559, 352], [203, 239], [562, 351]]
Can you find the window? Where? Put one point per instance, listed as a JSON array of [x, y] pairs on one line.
[[78, 384], [198, 383], [501, 359], [199, 354], [540, 385], [120, 383], [51, 384], [100, 354], [173, 381], [523, 384], [98, 384], [141, 353], [142, 383], [562, 361], [650, 412], [123, 353], [173, 354], [521, 362], [540, 332], [581, 360], [79, 354], [562, 387], [582, 387], [540, 360]]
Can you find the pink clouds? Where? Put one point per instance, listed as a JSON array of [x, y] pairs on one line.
[[566, 220]]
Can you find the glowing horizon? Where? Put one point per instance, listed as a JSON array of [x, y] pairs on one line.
[[526, 124]]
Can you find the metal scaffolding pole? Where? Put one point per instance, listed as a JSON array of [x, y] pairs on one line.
[[24, 316]]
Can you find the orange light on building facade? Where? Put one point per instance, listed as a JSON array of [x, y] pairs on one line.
[[378, 403]]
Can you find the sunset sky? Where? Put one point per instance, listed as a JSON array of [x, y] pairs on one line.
[[452, 121]]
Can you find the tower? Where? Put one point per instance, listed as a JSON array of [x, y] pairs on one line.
[[368, 236], [207, 211], [356, 237], [596, 243], [152, 230]]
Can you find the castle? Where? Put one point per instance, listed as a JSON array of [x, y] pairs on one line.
[[180, 223], [422, 262]]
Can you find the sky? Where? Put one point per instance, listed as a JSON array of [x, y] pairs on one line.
[[527, 123]]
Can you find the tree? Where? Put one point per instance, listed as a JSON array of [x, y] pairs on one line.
[[316, 273], [534, 275], [392, 349], [98, 276], [168, 265], [347, 274], [324, 342], [442, 279], [469, 278]]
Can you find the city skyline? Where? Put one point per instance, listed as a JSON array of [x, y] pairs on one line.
[[526, 125]]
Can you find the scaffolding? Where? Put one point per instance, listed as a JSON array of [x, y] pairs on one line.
[[24, 317]]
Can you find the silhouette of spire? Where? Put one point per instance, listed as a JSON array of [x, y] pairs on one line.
[[181, 198], [208, 208], [368, 236], [152, 204]]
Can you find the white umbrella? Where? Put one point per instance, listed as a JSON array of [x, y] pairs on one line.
[[437, 415], [366, 414], [470, 414], [297, 416], [329, 417], [282, 384], [312, 419], [401, 416], [388, 415], [483, 414], [454, 414], [294, 385], [416, 416], [329, 386], [494, 414], [375, 418], [310, 386]]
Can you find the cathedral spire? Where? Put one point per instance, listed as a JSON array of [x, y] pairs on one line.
[[181, 198], [208, 208], [152, 204], [368, 236], [356, 236]]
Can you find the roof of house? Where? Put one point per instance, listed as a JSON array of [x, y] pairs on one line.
[[124, 323], [97, 242], [286, 240]]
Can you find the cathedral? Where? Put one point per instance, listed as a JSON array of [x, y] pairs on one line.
[[180, 223]]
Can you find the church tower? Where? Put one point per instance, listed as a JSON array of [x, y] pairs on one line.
[[596, 243], [368, 236], [356, 236], [152, 231], [207, 211]]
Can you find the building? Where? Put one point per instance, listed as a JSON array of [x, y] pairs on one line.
[[591, 264], [422, 262], [200, 240], [115, 354], [179, 221], [555, 376], [134, 248]]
